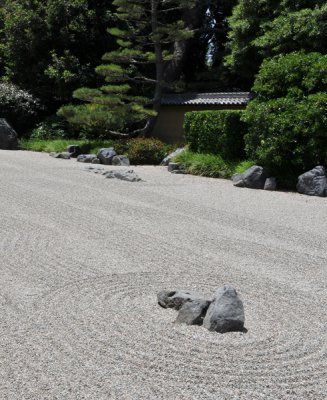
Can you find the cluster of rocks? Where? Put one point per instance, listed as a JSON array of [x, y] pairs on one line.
[[106, 156], [8, 136], [223, 313], [312, 183], [124, 175], [174, 168]]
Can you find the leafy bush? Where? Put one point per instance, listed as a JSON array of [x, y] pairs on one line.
[[53, 128], [216, 132], [146, 151], [287, 120], [287, 135], [293, 75], [19, 107]]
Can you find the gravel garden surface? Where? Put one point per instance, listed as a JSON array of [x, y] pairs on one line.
[[83, 257]]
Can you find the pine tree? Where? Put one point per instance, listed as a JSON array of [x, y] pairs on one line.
[[134, 73]]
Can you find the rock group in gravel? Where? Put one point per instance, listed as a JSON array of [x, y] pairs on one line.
[[223, 313], [105, 156], [124, 175]]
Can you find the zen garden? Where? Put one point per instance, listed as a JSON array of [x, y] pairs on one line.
[[137, 261]]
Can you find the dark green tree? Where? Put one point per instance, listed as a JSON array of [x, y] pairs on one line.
[[135, 72], [52, 47], [260, 29]]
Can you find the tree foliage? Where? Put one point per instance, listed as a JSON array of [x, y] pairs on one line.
[[51, 47], [264, 28], [134, 74]]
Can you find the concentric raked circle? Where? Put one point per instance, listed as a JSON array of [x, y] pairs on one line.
[[137, 341]]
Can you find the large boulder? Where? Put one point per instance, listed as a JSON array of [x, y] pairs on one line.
[[253, 178], [226, 312], [313, 183], [8, 136], [121, 160], [193, 312], [177, 298], [167, 159], [106, 155]]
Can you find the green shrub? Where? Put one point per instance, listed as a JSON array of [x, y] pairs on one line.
[[292, 75], [146, 151], [216, 132], [19, 107], [52, 128], [210, 165], [287, 121], [287, 135]]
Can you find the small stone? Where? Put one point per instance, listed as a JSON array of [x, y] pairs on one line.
[[121, 160], [128, 176], [86, 158], [54, 154], [106, 155], [96, 161], [64, 156], [173, 167], [270, 184], [177, 298], [193, 312], [178, 172], [226, 312]]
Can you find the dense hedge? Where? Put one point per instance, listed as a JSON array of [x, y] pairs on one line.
[[216, 132]]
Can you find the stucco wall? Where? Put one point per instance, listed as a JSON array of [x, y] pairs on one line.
[[169, 125]]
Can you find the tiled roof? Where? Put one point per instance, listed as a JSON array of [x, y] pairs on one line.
[[225, 98]]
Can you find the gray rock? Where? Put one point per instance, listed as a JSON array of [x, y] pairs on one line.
[[128, 176], [177, 298], [226, 312], [74, 150], [64, 155], [8, 136], [193, 312], [313, 183], [270, 184], [106, 155], [253, 178], [167, 159], [54, 154], [96, 161], [178, 172], [173, 167], [121, 160], [86, 158]]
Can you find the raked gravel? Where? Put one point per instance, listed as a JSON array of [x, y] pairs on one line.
[[82, 258]]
